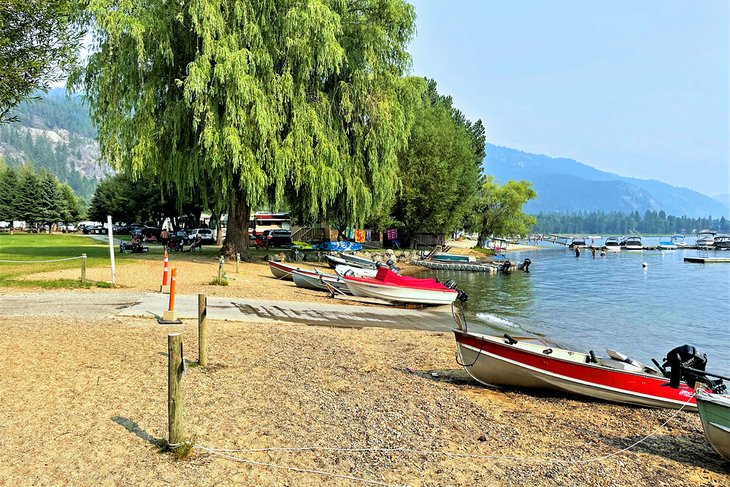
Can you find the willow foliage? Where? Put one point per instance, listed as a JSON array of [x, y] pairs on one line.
[[257, 99]]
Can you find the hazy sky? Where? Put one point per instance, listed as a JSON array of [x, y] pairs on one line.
[[638, 88]]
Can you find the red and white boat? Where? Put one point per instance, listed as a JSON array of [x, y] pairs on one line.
[[506, 361], [392, 287], [281, 270]]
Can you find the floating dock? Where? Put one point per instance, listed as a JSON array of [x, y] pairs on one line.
[[706, 260]]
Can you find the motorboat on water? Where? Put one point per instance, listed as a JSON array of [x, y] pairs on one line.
[[446, 257], [722, 242], [392, 287], [528, 363], [632, 243], [678, 240], [714, 412], [706, 239], [666, 244], [579, 242], [612, 244]]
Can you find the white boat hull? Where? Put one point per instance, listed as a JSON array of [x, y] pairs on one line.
[[401, 294], [342, 270]]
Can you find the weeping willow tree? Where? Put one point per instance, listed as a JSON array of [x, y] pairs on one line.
[[255, 101]]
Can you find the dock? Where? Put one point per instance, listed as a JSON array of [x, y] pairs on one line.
[[456, 266], [706, 260]]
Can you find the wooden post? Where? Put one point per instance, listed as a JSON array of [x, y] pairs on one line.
[[220, 269], [175, 369], [83, 267], [202, 330], [238, 260]]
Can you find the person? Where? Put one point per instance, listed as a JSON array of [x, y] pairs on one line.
[[196, 243], [164, 237]]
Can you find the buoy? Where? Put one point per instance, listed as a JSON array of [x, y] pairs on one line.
[[644, 265]]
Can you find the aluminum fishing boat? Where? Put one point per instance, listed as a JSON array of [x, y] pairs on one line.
[[392, 287], [281, 270], [348, 270], [528, 363], [319, 281], [715, 415], [358, 261]]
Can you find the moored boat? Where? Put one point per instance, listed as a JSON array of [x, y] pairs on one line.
[[446, 257], [527, 363], [579, 242], [722, 242], [281, 270], [678, 240], [632, 243], [666, 244], [389, 286], [348, 270], [612, 244], [715, 416], [706, 239], [358, 261]]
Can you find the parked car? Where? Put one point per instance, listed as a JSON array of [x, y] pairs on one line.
[[206, 235], [150, 233], [274, 238], [68, 228]]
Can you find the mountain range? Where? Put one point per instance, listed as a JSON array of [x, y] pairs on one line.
[[56, 133], [567, 186]]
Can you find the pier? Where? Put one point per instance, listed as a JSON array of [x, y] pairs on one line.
[[706, 260]]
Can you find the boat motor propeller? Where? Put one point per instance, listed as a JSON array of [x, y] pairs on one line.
[[688, 363]]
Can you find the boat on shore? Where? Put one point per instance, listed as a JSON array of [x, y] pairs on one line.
[[280, 270], [357, 261], [319, 281], [348, 270], [714, 412], [389, 286], [528, 363], [612, 244]]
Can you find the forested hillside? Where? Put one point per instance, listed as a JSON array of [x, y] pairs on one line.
[[55, 133]]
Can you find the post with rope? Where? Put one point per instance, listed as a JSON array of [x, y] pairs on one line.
[[83, 267], [175, 375], [202, 330]]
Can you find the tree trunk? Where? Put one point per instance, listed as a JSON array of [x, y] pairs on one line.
[[237, 233]]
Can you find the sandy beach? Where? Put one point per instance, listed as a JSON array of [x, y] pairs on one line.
[[85, 403]]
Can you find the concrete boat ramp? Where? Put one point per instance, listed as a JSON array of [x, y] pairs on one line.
[[323, 314]]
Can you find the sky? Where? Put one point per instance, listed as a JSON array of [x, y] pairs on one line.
[[637, 88]]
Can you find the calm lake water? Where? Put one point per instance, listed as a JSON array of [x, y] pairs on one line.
[[588, 303]]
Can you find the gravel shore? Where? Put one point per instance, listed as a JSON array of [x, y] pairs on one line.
[[85, 404]]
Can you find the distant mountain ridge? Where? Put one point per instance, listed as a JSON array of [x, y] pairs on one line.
[[568, 186]]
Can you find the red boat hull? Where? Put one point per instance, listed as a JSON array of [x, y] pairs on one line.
[[493, 362]]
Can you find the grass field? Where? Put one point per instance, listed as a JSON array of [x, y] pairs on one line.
[[22, 256]]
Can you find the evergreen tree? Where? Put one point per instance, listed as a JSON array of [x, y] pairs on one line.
[[28, 196], [8, 195]]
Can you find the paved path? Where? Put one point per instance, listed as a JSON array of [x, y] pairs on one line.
[[125, 303]]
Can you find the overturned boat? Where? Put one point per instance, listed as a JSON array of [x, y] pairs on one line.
[[527, 363]]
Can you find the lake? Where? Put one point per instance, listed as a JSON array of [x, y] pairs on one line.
[[585, 303]]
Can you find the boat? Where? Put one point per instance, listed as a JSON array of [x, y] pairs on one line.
[[281, 270], [389, 286], [678, 240], [714, 412], [345, 270], [358, 261], [706, 239], [446, 257], [667, 244], [722, 242], [612, 244], [579, 242], [632, 243], [339, 246], [319, 281], [528, 363]]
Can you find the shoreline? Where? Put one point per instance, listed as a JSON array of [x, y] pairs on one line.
[[92, 389]]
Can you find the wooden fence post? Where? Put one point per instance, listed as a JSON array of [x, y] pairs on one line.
[[220, 268], [202, 330], [238, 260], [175, 369], [83, 267]]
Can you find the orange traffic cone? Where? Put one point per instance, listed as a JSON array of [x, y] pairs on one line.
[[165, 288]]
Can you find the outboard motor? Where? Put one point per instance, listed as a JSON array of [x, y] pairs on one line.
[[392, 265], [505, 266], [681, 358], [525, 265]]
